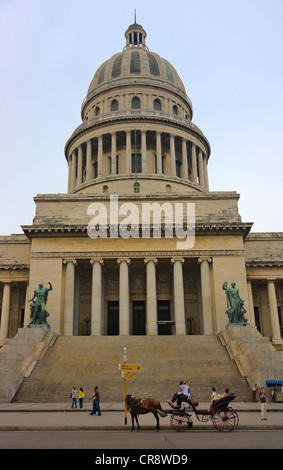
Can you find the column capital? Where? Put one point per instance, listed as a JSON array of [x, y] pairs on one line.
[[147, 260], [204, 258], [120, 260], [97, 260], [177, 258], [74, 261]]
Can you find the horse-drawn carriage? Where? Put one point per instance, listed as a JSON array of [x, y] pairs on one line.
[[223, 417]]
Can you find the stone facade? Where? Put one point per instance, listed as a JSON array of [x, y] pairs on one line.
[[137, 142]]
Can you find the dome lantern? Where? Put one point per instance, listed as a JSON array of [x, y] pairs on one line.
[[135, 36]]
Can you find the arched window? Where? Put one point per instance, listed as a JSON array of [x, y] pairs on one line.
[[114, 105], [175, 110], [136, 103], [97, 111], [157, 105]]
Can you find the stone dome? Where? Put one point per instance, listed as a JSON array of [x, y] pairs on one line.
[[136, 65], [137, 133]]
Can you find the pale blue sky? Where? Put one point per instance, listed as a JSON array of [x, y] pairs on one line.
[[228, 53]]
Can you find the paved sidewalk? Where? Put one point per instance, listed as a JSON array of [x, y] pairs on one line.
[[60, 416]]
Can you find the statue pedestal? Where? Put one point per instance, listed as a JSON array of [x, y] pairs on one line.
[[254, 355]]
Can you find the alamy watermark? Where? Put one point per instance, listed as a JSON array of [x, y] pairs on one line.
[[145, 221]]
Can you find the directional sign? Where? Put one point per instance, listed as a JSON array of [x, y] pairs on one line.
[[130, 367], [128, 375]]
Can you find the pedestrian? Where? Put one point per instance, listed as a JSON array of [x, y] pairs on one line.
[[97, 401], [254, 390], [93, 403], [263, 403], [81, 397], [74, 397], [273, 394]]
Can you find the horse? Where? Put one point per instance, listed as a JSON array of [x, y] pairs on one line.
[[137, 406]]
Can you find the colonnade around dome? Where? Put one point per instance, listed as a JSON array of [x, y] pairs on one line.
[[142, 152]]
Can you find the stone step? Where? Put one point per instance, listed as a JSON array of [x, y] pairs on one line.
[[164, 360]]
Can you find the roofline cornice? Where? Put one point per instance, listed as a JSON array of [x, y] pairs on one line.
[[136, 115], [37, 231]]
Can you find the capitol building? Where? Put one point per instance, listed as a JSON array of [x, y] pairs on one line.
[[137, 150]]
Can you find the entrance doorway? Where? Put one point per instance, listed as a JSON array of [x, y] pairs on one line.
[[139, 318], [113, 318], [164, 317]]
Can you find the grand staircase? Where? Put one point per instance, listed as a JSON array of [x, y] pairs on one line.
[[165, 360]]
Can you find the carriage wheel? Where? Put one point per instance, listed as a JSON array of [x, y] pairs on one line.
[[225, 420], [179, 422]]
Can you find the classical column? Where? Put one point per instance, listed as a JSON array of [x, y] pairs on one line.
[[273, 310], [80, 166], [151, 301], [74, 171], [99, 156], [158, 152], [69, 173], [27, 309], [89, 175], [179, 301], [200, 168], [184, 167], [205, 162], [113, 153], [69, 300], [172, 155], [124, 296], [251, 316], [96, 297], [128, 153], [5, 313], [144, 151], [206, 296], [194, 164]]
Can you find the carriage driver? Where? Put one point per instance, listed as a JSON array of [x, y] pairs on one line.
[[183, 394]]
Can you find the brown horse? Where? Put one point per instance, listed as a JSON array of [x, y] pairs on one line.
[[136, 406]]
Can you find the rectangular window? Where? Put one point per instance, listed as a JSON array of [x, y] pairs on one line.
[[136, 163]]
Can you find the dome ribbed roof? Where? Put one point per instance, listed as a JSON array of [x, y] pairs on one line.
[[136, 65]]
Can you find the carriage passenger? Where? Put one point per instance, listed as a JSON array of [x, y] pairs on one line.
[[218, 397]]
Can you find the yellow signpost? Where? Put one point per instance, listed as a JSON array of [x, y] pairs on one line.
[[126, 370], [128, 375], [130, 367]]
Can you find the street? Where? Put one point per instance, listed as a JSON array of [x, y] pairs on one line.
[[141, 440]]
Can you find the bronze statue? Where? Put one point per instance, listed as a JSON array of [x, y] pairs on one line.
[[38, 312], [235, 305]]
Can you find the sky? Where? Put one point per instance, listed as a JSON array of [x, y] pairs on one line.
[[228, 53]]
